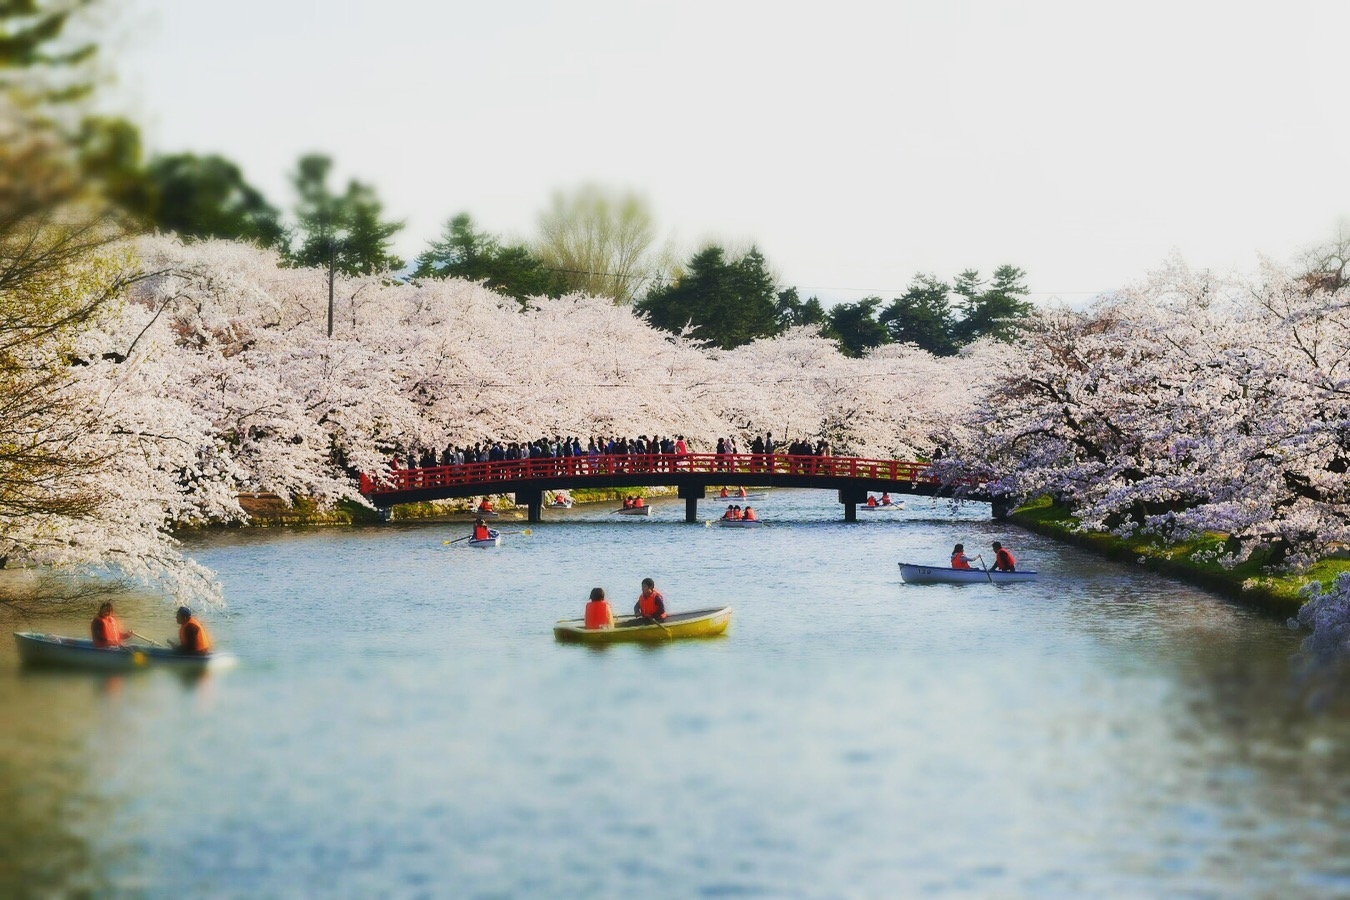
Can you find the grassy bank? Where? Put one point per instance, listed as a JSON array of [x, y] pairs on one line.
[[1189, 561]]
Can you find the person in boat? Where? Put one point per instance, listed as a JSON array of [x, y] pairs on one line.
[[871, 501], [627, 502], [742, 492], [1003, 559], [485, 506], [105, 629], [650, 603], [725, 493], [750, 515], [959, 558], [885, 498], [192, 635], [599, 614], [639, 502], [480, 531]]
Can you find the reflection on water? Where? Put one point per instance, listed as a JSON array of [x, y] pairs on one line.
[[402, 724]]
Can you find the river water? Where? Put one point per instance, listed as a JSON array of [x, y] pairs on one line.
[[402, 724]]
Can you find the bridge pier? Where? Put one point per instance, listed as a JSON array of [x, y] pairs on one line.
[[691, 494], [533, 500], [851, 497]]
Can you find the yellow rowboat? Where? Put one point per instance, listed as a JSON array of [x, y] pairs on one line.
[[695, 624]]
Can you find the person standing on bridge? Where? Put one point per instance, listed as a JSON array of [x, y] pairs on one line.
[[1003, 559], [959, 558], [650, 603]]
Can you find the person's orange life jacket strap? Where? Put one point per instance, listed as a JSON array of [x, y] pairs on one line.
[[192, 637], [599, 614]]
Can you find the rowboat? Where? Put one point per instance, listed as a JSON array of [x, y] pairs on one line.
[[558, 504], [913, 574], [494, 539], [882, 507], [694, 624], [635, 511], [54, 651], [753, 495], [739, 523], [486, 513]]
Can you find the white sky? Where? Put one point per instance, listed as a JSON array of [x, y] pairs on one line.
[[856, 143]]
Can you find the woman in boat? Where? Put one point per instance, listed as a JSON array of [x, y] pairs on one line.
[[750, 515], [650, 603], [885, 498], [599, 614], [959, 558], [1003, 559], [871, 501], [192, 635], [485, 506], [481, 531], [105, 629]]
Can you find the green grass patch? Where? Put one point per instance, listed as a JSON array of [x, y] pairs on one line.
[[1192, 560]]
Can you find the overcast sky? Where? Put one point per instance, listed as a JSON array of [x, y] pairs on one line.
[[856, 144]]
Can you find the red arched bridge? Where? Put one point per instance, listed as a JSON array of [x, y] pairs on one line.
[[691, 473]]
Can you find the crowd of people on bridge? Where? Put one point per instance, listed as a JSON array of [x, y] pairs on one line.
[[600, 454]]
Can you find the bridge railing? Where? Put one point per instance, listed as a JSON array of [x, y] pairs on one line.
[[733, 467]]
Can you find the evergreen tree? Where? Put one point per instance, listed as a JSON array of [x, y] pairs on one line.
[[207, 197], [922, 316], [465, 253], [344, 231], [994, 312], [855, 326], [729, 303]]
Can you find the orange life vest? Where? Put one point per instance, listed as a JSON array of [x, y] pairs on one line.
[[871, 501], [192, 637], [599, 614], [960, 561], [1004, 561], [106, 632], [481, 533], [639, 503], [725, 492], [653, 607], [750, 515]]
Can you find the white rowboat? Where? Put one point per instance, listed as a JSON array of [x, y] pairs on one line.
[[635, 511], [913, 574], [494, 539], [54, 651]]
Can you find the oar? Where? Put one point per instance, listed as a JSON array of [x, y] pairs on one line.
[[147, 640], [980, 557], [457, 540], [524, 531]]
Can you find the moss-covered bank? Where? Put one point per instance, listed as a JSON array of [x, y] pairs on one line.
[[1189, 561]]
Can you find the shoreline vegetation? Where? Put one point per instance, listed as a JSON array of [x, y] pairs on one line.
[[1278, 595]]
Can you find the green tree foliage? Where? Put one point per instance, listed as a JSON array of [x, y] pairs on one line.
[[855, 326], [346, 229], [793, 311], [598, 242], [36, 58], [207, 197], [465, 253], [922, 316], [728, 302], [994, 311]]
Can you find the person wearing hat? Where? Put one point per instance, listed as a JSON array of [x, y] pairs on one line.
[[192, 635]]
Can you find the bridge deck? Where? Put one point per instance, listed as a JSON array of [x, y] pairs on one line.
[[692, 473]]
